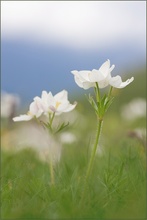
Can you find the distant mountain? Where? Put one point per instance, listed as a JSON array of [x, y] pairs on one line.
[[27, 69]]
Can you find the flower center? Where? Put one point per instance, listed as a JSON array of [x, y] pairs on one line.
[[29, 113], [57, 104]]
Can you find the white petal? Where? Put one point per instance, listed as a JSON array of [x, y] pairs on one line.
[[127, 82], [44, 96], [78, 81], [117, 82], [63, 95], [105, 66], [111, 68], [74, 72], [62, 107], [23, 118], [65, 107], [87, 85], [103, 83], [84, 75], [96, 76], [42, 106], [105, 69], [70, 107], [34, 109], [50, 99]]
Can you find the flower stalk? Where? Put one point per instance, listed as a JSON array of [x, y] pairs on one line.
[[99, 128], [100, 109], [91, 161], [100, 78], [89, 169]]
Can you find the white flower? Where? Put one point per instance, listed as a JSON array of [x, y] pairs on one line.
[[33, 137], [34, 111], [9, 104], [55, 104], [47, 104], [67, 138], [86, 79], [135, 109], [102, 76]]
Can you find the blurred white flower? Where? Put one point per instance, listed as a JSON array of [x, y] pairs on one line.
[[134, 109], [33, 137], [86, 79], [34, 111], [9, 104], [67, 138], [139, 134]]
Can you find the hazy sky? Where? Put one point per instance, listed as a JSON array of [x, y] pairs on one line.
[[78, 24]]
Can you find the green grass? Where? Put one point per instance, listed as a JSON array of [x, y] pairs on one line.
[[116, 188]]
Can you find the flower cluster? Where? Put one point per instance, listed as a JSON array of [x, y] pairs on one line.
[[47, 105], [86, 79]]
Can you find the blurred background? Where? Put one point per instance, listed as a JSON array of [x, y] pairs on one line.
[[43, 41]]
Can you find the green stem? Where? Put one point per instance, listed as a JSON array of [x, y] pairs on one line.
[[100, 122], [91, 162], [98, 92], [51, 118]]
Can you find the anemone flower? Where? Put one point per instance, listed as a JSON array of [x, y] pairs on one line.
[[86, 79], [55, 104]]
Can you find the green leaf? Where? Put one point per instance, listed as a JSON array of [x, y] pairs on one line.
[[103, 100], [92, 102], [61, 127], [108, 103]]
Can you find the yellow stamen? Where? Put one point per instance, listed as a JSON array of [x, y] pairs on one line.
[[57, 104], [29, 113]]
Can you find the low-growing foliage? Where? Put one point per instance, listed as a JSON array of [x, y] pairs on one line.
[[116, 189]]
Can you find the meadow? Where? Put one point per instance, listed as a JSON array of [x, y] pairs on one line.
[[116, 189]]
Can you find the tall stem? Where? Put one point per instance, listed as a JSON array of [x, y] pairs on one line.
[[100, 122], [91, 162], [51, 118]]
